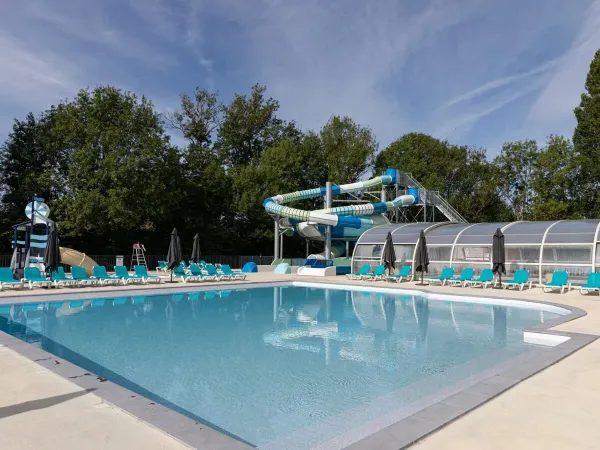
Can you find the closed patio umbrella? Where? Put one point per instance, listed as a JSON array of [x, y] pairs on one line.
[[389, 254], [196, 249], [498, 255], [174, 254], [421, 255], [52, 254]]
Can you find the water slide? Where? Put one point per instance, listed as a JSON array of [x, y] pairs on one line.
[[75, 258], [347, 222]]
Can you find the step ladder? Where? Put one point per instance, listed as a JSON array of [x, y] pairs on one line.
[[137, 257]]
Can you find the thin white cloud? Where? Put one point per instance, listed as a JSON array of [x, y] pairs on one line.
[[500, 82], [552, 112]]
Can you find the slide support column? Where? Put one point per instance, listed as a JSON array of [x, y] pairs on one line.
[[328, 202], [276, 233]]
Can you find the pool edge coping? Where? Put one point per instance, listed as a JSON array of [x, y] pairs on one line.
[[403, 433]]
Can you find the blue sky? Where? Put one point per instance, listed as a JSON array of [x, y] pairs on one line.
[[477, 72]]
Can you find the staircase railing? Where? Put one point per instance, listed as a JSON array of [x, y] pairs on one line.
[[430, 197]]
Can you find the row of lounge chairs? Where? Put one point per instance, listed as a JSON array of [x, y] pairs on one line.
[[34, 277], [520, 280]]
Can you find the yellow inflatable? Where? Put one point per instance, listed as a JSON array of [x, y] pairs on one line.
[[75, 258]]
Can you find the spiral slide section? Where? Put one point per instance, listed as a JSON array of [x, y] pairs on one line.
[[358, 217], [75, 258]]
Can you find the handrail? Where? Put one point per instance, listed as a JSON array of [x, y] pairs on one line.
[[433, 198]]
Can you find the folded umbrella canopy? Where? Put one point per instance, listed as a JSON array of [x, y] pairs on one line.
[[52, 254], [498, 255], [174, 254], [389, 254], [421, 255], [196, 249]]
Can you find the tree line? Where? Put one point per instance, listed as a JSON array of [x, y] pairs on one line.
[[105, 163]]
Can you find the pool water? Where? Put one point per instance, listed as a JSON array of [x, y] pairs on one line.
[[282, 367]]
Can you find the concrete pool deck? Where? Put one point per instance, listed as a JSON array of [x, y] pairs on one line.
[[555, 408]]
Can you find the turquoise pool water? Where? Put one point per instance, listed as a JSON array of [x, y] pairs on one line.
[[282, 367]]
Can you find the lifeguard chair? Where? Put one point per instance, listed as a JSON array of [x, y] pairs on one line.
[[137, 257]]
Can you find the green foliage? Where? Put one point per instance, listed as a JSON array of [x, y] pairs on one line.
[[198, 118], [249, 126], [555, 180], [586, 140], [515, 166], [121, 165], [348, 149]]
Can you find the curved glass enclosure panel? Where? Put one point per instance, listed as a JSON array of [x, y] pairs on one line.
[[445, 235], [567, 254], [482, 233], [472, 253], [573, 232], [409, 234], [377, 234], [368, 250], [529, 253], [526, 232], [404, 252], [439, 253]]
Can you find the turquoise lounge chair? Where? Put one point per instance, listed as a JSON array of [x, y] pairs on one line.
[[485, 277], [560, 280], [447, 274], [103, 277], [79, 275], [59, 277], [179, 272], [233, 275], [33, 277], [8, 280], [466, 275], [377, 274], [212, 271], [365, 268], [196, 271], [520, 280], [403, 274], [123, 274], [141, 271], [163, 266], [592, 284]]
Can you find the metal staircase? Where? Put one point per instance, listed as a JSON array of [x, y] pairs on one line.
[[431, 198]]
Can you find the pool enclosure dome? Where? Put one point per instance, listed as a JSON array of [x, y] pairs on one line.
[[540, 247]]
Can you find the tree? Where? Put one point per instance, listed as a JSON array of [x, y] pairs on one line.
[[515, 166], [249, 126], [586, 140], [348, 149], [124, 175], [198, 118], [434, 163], [29, 165], [554, 184]]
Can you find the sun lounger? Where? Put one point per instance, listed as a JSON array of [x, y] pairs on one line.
[[8, 280], [123, 273], [560, 280], [466, 275], [163, 266], [592, 284], [233, 275], [443, 277], [59, 278], [377, 274], [485, 278], [141, 271], [33, 277], [212, 271], [79, 275], [520, 280], [403, 274], [103, 277], [365, 268]]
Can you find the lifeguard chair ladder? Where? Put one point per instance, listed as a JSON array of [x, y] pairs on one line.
[[137, 257]]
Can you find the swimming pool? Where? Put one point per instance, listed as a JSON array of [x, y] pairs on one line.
[[284, 367]]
